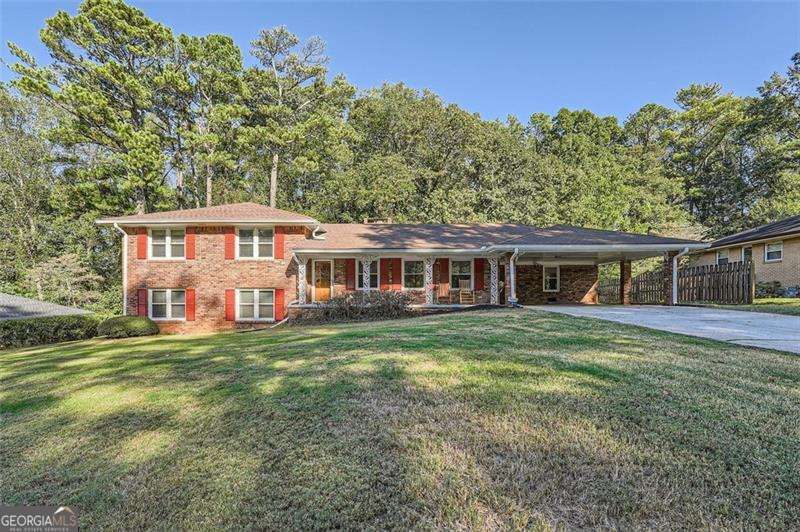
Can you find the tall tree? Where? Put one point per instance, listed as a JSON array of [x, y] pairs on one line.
[[109, 63], [294, 111]]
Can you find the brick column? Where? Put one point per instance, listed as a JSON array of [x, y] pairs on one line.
[[667, 280], [625, 282]]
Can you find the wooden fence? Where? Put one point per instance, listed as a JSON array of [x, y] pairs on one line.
[[729, 284], [646, 289]]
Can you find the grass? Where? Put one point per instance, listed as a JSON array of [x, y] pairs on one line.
[[492, 419], [773, 305]]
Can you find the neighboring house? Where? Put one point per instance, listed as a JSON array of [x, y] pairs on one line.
[[238, 265], [17, 307], [774, 249]]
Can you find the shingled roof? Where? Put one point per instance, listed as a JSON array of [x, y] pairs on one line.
[[787, 226], [18, 307], [472, 236], [247, 212]]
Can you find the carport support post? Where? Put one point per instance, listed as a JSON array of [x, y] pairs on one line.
[[512, 278], [625, 282], [669, 289]]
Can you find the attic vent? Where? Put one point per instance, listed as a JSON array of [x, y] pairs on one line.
[[378, 221]]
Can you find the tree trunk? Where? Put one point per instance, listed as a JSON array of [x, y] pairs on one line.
[[273, 181], [208, 185]]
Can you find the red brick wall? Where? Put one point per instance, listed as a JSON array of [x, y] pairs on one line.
[[210, 274], [578, 285]]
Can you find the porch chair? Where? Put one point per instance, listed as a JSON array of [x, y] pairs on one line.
[[465, 295], [442, 294]]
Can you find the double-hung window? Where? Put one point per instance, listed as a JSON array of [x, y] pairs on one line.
[[168, 243], [168, 304], [255, 304], [773, 252], [722, 257], [255, 243], [373, 275], [413, 274], [461, 274], [551, 278]]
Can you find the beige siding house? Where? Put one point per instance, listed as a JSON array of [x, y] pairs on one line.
[[774, 248]]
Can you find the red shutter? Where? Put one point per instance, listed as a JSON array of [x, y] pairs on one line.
[[190, 242], [444, 271], [397, 274], [230, 243], [480, 267], [141, 244], [278, 242], [350, 273], [141, 302], [279, 309], [384, 274], [190, 304], [230, 303]]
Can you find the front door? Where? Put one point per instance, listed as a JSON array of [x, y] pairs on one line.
[[322, 280]]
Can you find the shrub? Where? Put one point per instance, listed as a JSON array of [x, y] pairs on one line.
[[47, 330], [357, 306], [126, 326], [770, 289]]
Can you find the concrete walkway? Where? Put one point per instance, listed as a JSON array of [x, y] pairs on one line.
[[759, 329]]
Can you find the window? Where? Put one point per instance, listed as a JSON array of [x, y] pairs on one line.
[[551, 277], [747, 254], [461, 274], [413, 274], [722, 257], [255, 243], [773, 252], [255, 304], [167, 243], [168, 304], [373, 275]]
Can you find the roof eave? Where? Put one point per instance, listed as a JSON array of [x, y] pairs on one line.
[[759, 240], [140, 223]]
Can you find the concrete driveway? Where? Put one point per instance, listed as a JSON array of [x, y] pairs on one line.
[[759, 329]]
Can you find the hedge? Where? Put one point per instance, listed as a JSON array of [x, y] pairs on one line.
[[47, 330], [126, 326]]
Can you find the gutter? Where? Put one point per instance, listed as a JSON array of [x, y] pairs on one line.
[[675, 274], [124, 269], [181, 221]]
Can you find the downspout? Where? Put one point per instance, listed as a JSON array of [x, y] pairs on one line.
[[512, 267], [675, 275], [124, 269]]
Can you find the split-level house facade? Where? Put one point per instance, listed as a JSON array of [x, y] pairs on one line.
[[245, 265]]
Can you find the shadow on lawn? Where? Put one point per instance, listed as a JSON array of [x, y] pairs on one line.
[[435, 422]]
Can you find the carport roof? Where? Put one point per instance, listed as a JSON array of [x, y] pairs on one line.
[[18, 307]]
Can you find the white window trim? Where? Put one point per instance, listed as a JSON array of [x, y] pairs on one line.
[[256, 292], [544, 278], [169, 304], [766, 246], [717, 256], [314, 277], [741, 256], [471, 273], [168, 241], [255, 229], [361, 277], [403, 275]]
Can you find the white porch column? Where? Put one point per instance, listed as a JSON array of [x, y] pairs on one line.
[[429, 295], [366, 262], [512, 278], [493, 287], [301, 280]]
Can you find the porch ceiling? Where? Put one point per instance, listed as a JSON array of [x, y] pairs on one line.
[[596, 257]]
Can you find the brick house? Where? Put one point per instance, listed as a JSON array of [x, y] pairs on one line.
[[238, 265], [774, 249]]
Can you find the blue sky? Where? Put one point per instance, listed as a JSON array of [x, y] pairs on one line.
[[500, 58]]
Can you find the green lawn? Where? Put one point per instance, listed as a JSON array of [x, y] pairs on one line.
[[491, 419], [774, 305]]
